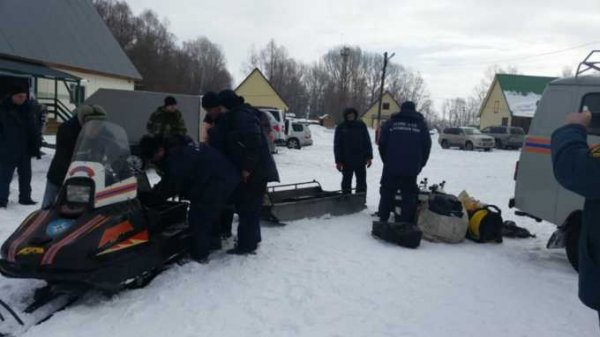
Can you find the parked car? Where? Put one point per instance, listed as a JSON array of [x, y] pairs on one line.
[[537, 193], [466, 138], [297, 134], [279, 129], [506, 137], [270, 128]]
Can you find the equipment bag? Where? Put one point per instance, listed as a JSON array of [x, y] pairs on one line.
[[485, 225], [443, 219], [401, 233]]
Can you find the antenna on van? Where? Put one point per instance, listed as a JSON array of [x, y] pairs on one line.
[[588, 64]]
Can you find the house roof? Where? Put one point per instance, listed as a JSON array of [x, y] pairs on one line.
[[524, 84], [62, 33], [258, 72], [521, 92], [387, 93], [35, 70]]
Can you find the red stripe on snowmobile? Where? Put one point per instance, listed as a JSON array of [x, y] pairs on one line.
[[90, 173], [12, 252], [116, 191], [135, 240], [90, 225]]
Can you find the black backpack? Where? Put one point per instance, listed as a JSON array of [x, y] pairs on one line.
[[401, 233], [486, 225], [446, 204]]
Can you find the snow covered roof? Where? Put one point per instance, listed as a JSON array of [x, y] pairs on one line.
[[523, 92], [522, 105]]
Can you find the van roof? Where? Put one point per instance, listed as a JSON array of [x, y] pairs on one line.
[[578, 81]]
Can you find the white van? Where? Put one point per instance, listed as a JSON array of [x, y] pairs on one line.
[[537, 193]]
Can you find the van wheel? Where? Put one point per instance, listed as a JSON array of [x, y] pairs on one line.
[[469, 146], [572, 240], [445, 144], [499, 144], [293, 143]]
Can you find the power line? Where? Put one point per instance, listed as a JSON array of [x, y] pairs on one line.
[[554, 52]]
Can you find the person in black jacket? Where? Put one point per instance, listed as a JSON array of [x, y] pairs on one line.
[[199, 174], [66, 139], [237, 134], [353, 151], [404, 146], [20, 139]]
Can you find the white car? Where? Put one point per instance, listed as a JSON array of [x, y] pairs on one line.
[[279, 127], [297, 134]]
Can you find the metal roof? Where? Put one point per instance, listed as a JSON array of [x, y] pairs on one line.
[[524, 84], [67, 33], [36, 70], [581, 80]]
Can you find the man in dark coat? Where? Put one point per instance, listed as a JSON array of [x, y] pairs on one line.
[[66, 139], [199, 174], [20, 139], [404, 146], [577, 168], [237, 134], [353, 151], [214, 111], [167, 120]]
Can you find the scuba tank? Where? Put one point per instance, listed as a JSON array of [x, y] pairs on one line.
[[485, 225]]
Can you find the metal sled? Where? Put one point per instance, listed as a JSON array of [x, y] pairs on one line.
[[308, 200]]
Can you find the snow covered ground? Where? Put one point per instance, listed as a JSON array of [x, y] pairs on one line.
[[329, 277]]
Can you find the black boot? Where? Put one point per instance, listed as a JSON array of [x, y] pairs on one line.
[[237, 250], [27, 202]]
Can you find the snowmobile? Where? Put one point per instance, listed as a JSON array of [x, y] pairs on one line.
[[308, 200], [99, 234]]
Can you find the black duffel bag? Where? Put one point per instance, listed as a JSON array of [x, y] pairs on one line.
[[401, 233]]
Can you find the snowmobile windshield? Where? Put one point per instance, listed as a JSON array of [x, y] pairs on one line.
[[107, 144]]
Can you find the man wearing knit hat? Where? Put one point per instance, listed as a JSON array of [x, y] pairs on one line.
[[167, 120], [66, 139], [20, 139], [212, 106]]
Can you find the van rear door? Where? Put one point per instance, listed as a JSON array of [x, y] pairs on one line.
[[536, 190]]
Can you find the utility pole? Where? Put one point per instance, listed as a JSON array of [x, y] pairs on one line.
[[345, 53], [386, 58]]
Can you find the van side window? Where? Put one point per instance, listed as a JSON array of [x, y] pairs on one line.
[[592, 102]]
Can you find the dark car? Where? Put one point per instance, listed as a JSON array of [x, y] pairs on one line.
[[506, 137]]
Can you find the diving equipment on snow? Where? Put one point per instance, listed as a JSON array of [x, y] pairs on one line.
[[485, 225], [443, 219], [400, 233]]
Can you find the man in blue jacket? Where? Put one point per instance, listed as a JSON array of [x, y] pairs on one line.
[[198, 174], [353, 151], [577, 168], [404, 146], [20, 140], [237, 134]]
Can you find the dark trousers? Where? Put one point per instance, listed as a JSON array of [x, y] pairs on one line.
[[7, 170], [409, 191], [361, 178], [224, 222], [249, 201], [201, 219]]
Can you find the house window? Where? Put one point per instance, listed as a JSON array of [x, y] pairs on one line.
[[496, 107], [386, 106], [504, 121]]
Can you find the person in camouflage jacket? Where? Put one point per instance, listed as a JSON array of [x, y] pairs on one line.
[[167, 120]]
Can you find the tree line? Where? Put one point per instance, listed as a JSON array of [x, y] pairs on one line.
[[193, 67], [344, 76]]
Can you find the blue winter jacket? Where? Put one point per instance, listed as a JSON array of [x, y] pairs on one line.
[[20, 134], [238, 135], [577, 168], [352, 144], [404, 144], [198, 174]]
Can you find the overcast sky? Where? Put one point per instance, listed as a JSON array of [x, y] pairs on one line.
[[451, 42]]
